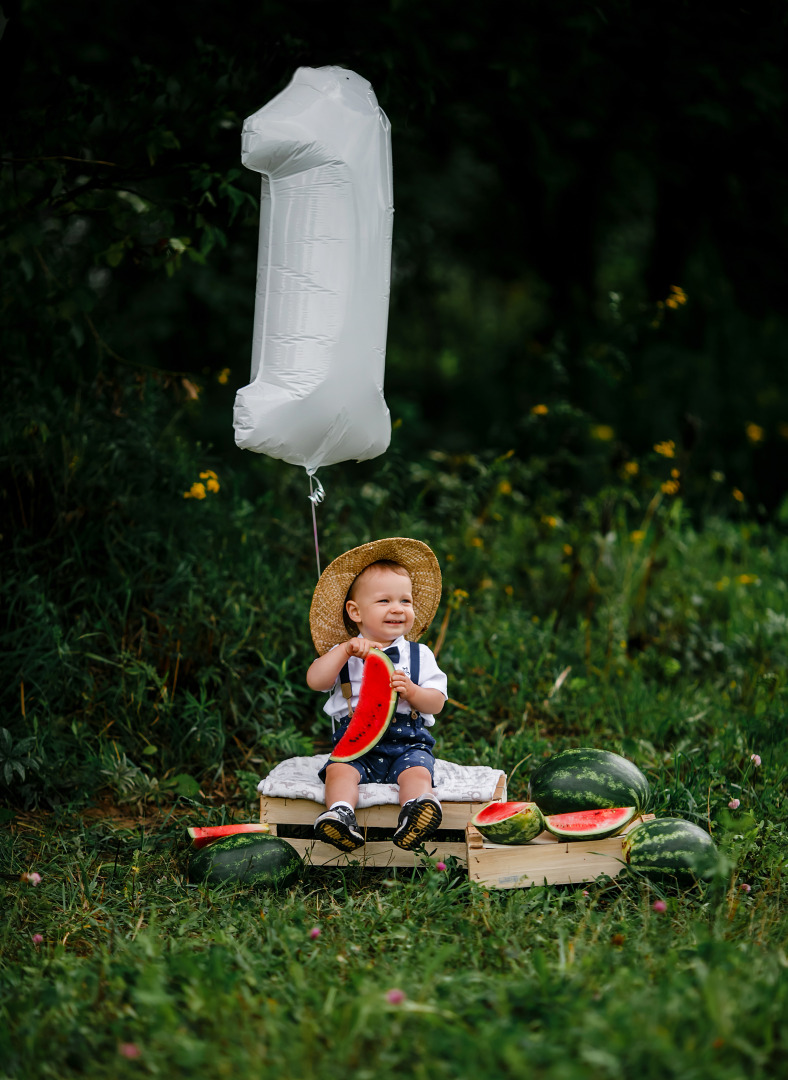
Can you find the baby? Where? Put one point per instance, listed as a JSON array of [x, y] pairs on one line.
[[381, 595]]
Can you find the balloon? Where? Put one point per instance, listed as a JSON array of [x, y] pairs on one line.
[[315, 396]]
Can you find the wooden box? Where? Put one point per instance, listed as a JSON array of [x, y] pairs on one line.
[[544, 860], [377, 852]]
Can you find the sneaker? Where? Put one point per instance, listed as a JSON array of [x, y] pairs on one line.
[[339, 828], [418, 821]]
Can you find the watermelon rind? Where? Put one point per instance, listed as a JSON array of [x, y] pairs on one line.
[[372, 715], [669, 846], [523, 823], [202, 835], [564, 829], [585, 778], [256, 859]]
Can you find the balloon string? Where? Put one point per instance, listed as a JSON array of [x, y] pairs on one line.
[[316, 497]]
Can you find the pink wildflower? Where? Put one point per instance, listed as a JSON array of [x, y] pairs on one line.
[[659, 906], [38, 939], [440, 865], [395, 997], [734, 804], [129, 1050], [32, 878], [755, 759], [745, 887], [314, 932], [585, 892]]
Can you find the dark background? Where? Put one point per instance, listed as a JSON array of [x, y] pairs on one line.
[[546, 156]]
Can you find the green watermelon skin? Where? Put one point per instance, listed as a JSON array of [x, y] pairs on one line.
[[668, 846], [247, 859], [521, 827], [585, 778]]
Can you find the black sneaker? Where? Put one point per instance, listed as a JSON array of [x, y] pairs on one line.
[[418, 821], [339, 828]]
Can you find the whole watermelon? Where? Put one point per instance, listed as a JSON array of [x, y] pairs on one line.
[[585, 778], [248, 859], [670, 846]]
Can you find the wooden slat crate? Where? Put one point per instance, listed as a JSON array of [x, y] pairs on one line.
[[456, 816], [543, 860]]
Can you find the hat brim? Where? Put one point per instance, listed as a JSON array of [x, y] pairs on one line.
[[326, 620]]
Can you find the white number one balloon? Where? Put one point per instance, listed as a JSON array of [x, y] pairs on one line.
[[315, 397]]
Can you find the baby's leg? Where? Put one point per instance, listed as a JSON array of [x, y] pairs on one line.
[[337, 824], [414, 782], [342, 782], [421, 813]]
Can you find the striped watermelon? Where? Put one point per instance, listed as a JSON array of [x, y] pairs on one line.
[[669, 846], [585, 778], [372, 716], [590, 824], [509, 822], [248, 859]]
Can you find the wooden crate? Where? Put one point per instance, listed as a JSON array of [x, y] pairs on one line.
[[544, 860], [456, 816]]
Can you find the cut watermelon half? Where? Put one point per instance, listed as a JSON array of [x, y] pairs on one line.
[[372, 716], [590, 824], [509, 822], [203, 835]]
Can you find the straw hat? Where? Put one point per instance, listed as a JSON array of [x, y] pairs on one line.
[[326, 615]]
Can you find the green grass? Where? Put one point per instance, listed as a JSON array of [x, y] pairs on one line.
[[547, 982], [152, 661]]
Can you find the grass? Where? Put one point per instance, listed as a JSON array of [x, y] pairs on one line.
[[152, 662], [551, 981]]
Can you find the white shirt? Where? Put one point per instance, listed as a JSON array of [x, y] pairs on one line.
[[430, 675]]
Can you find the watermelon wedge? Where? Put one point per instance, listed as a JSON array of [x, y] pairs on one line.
[[202, 835], [509, 822], [590, 824], [372, 716]]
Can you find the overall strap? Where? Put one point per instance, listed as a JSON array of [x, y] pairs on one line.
[[344, 685], [414, 662]]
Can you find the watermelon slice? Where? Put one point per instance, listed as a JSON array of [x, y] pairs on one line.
[[509, 822], [372, 716], [202, 835], [590, 824]]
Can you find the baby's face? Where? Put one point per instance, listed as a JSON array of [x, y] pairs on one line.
[[382, 604]]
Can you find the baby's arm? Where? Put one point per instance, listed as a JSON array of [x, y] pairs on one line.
[[323, 672], [425, 699]]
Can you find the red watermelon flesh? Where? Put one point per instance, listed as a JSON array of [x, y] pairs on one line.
[[590, 824], [372, 716], [202, 835]]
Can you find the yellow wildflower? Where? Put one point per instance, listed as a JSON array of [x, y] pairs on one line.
[[548, 519], [602, 432], [505, 488], [675, 473], [568, 549], [476, 541], [630, 468], [508, 589], [754, 433], [738, 495], [638, 536], [747, 579], [460, 594], [213, 485], [666, 449], [540, 410], [486, 583], [223, 376], [670, 487], [196, 491], [677, 297]]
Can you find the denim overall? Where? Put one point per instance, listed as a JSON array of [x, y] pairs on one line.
[[406, 744]]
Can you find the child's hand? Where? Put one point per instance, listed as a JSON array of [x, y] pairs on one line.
[[402, 684], [359, 646]]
